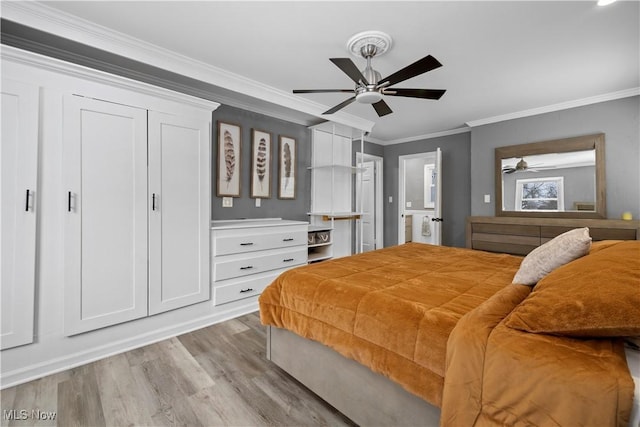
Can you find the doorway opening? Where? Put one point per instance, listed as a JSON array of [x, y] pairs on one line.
[[420, 198]]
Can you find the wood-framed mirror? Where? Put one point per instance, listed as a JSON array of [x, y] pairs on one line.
[[563, 178]]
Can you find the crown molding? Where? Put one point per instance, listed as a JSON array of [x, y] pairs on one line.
[[48, 19], [557, 107], [16, 55], [421, 137]]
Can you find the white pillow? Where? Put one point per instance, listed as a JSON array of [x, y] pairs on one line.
[[556, 252]]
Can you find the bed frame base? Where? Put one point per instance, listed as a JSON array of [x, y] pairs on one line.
[[365, 397]]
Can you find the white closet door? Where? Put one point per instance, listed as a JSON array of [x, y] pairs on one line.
[[105, 167], [180, 200], [18, 190]]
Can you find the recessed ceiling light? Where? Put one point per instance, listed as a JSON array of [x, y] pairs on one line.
[[605, 2]]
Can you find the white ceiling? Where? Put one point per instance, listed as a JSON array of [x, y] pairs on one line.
[[498, 57]]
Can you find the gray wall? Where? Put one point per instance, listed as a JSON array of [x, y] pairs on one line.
[[456, 185], [244, 206], [619, 120]]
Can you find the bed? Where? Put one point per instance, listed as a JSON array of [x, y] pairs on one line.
[[425, 335]]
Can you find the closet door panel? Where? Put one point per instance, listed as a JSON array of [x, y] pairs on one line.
[[179, 180], [106, 227], [18, 191]]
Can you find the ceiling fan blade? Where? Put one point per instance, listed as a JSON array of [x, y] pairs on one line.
[[321, 90], [350, 69], [340, 106], [421, 66], [382, 108], [416, 93]]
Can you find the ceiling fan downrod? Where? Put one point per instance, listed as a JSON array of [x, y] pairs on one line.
[[368, 92]]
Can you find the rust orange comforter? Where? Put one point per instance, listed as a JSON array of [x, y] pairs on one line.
[[392, 309], [498, 376], [431, 318]]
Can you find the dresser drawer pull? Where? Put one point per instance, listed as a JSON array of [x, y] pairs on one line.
[[242, 291], [288, 260], [246, 244], [249, 267], [288, 239]]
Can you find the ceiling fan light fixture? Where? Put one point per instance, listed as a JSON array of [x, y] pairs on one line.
[[369, 97]]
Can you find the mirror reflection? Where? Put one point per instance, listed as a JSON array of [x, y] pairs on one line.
[[420, 182], [558, 178], [553, 182]]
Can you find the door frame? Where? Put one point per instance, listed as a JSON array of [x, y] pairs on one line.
[[401, 189], [379, 181]]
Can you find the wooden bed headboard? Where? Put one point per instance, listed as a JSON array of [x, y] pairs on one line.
[[519, 236]]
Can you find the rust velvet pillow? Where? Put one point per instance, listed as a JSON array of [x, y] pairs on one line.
[[597, 295], [556, 252]]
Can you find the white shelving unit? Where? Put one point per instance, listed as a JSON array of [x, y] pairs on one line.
[[332, 185], [319, 250]]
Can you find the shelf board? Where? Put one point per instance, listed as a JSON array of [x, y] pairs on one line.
[[315, 245], [326, 216], [318, 258], [353, 169], [335, 214], [313, 228]]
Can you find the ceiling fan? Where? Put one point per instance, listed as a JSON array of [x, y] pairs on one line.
[[521, 166], [370, 88]]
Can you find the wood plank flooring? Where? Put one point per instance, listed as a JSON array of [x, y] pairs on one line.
[[216, 376]]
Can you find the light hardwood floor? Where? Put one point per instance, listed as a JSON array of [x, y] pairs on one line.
[[216, 376]]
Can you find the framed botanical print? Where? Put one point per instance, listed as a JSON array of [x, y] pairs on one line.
[[287, 161], [229, 148], [260, 164]]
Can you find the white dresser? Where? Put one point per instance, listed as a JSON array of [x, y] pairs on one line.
[[248, 254]]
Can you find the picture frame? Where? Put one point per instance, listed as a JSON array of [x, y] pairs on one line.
[[287, 167], [229, 176], [260, 164]]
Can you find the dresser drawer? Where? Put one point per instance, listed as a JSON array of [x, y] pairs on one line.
[[227, 242], [246, 287], [240, 265]]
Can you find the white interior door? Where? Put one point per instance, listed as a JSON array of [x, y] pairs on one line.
[[179, 187], [105, 251], [366, 199], [18, 181], [372, 201], [420, 198]]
